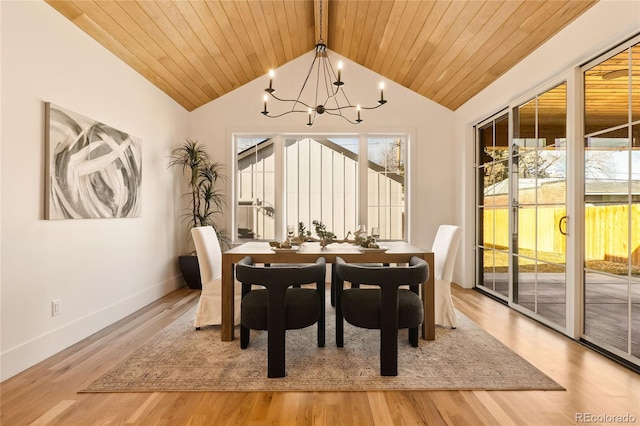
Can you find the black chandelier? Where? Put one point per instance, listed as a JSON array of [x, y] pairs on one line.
[[328, 97]]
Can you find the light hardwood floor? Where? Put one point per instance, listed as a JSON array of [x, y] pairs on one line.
[[46, 394]]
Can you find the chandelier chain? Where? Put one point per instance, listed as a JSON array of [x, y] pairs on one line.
[[321, 21]]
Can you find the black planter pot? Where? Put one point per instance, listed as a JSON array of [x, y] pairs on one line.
[[190, 271]]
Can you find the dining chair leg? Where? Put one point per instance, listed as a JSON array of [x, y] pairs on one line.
[[389, 353], [333, 284], [275, 356], [276, 319], [321, 319], [244, 331], [413, 336], [244, 337], [389, 332], [339, 317]]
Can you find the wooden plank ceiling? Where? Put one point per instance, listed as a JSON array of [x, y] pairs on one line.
[[196, 50]]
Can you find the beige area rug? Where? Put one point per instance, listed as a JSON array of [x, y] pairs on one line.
[[180, 358]]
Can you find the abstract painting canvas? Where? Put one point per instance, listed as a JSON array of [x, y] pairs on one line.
[[94, 171]]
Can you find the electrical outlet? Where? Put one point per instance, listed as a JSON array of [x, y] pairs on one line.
[[55, 307]]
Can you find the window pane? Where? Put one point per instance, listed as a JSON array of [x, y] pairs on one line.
[[552, 115], [635, 83], [526, 282], [525, 122], [496, 183], [256, 188], [502, 136], [606, 93], [635, 211], [386, 186], [552, 159], [321, 179], [607, 202], [494, 141], [486, 144], [605, 309], [487, 272]]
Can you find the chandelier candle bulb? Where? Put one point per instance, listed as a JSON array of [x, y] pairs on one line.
[[265, 112], [270, 89], [382, 94], [358, 120], [309, 123], [339, 82]]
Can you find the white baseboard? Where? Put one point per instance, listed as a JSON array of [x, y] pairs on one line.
[[28, 354]]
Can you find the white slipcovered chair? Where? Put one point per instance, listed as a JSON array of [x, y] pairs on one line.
[[445, 249], [209, 310]]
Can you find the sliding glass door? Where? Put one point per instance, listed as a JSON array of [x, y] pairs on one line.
[[558, 204], [521, 209], [612, 202], [539, 208], [492, 206]]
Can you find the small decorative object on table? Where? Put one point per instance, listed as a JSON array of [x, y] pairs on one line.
[[279, 245], [303, 235], [375, 233], [360, 234], [369, 242], [326, 237]]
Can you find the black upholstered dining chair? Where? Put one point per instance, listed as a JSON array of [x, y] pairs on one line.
[[282, 304], [387, 307]]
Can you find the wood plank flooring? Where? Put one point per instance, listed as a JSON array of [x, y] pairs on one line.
[[46, 394]]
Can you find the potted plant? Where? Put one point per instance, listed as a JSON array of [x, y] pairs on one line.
[[206, 201]]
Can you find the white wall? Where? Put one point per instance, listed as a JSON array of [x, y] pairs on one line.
[[429, 124], [102, 270], [606, 24]]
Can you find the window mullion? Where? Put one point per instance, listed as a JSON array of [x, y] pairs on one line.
[[279, 182], [363, 169]]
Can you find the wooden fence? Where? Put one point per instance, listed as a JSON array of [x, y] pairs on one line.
[[606, 231]]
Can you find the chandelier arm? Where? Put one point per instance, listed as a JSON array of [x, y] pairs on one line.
[[306, 79], [340, 115], [285, 113], [318, 71], [352, 106], [331, 93], [295, 101], [338, 88], [339, 108], [374, 107], [332, 74]]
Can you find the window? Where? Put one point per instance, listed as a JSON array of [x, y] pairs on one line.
[[342, 181], [321, 180], [255, 186], [386, 186]]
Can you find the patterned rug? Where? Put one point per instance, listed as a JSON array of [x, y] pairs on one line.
[[180, 358]]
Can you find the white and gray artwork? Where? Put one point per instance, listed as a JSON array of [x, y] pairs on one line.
[[95, 171]]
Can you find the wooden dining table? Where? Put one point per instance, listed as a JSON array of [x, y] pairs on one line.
[[308, 252]]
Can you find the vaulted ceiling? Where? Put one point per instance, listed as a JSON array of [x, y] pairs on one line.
[[197, 50]]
